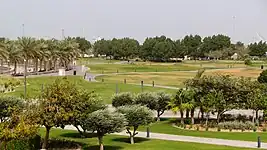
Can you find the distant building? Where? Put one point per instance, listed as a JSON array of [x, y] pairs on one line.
[[234, 57]]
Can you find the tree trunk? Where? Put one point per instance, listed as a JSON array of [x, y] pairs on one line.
[[100, 140], [15, 67], [202, 113], [36, 65], [158, 116], [207, 119], [187, 113], [257, 117], [132, 139], [253, 118], [46, 138], [192, 116], [182, 117], [45, 65], [78, 129], [2, 65]]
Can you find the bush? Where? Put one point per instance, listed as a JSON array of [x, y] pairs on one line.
[[247, 61], [263, 77], [197, 128], [122, 99], [264, 130], [218, 129], [62, 144], [187, 121], [27, 144], [236, 125], [254, 129]]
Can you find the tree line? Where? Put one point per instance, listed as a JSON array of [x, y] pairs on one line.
[[162, 48], [43, 54]]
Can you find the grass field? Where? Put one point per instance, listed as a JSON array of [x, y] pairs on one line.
[[174, 78], [95, 61], [105, 90], [139, 67], [114, 142], [167, 128]]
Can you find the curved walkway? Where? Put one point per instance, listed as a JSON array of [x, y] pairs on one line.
[[170, 137]]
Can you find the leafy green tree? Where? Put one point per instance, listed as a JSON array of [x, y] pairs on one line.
[[162, 103], [191, 44], [263, 77], [84, 45], [105, 122], [122, 99], [136, 116], [85, 103], [17, 127], [57, 103], [147, 99], [258, 49], [210, 101], [256, 99], [232, 90], [8, 105]]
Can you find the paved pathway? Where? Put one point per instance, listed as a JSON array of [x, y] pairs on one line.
[[170, 137]]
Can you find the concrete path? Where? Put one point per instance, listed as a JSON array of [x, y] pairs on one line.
[[214, 141]]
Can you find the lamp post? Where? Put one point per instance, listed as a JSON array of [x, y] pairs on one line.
[[25, 81]]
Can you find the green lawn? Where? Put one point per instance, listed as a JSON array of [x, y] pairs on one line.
[[84, 61], [139, 67], [114, 142], [167, 128], [105, 90]]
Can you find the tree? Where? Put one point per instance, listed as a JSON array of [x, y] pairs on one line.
[[136, 116], [191, 44], [122, 99], [209, 101], [258, 49], [86, 103], [147, 99], [263, 77], [8, 105], [181, 102], [18, 127], [57, 103], [162, 103], [105, 122], [256, 99], [84, 45]]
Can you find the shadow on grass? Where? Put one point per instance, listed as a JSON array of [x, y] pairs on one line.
[[127, 140], [77, 135], [106, 147]]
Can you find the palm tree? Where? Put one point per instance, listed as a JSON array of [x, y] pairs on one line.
[[14, 54], [181, 102], [29, 50], [3, 52], [69, 50]]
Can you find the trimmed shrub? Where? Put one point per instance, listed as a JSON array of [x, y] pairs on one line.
[[248, 61], [122, 99], [236, 125]]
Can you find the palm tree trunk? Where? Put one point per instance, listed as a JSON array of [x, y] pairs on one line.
[[2, 65], [15, 67], [45, 65], [182, 117], [36, 65], [192, 115]]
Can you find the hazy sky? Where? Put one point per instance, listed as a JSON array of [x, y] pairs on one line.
[[134, 18]]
